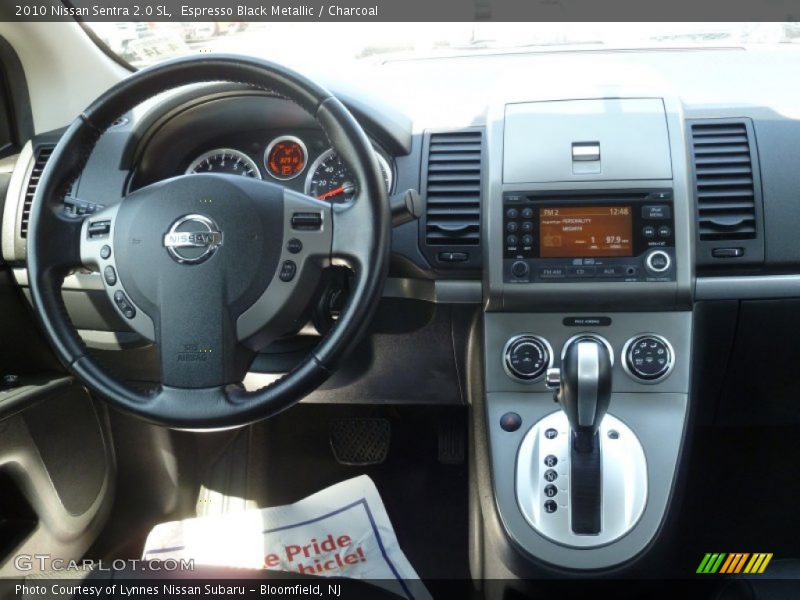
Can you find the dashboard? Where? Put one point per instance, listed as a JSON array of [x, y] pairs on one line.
[[527, 190]]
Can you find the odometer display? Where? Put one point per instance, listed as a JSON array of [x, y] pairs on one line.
[[224, 160], [286, 157], [329, 178]]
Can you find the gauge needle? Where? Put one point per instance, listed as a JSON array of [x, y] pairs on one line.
[[335, 192]]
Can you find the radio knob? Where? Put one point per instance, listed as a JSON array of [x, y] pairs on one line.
[[526, 357], [648, 358], [658, 261], [519, 269]]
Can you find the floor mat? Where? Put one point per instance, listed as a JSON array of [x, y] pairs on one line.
[[290, 457]]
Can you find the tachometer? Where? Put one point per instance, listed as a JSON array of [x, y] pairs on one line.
[[329, 178], [225, 160]]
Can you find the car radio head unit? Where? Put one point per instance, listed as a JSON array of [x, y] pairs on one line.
[[570, 231], [625, 235]]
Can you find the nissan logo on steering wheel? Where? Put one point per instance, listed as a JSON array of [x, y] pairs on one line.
[[193, 239]]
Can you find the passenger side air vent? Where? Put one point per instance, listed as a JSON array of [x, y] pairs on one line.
[[42, 156], [727, 189], [451, 186]]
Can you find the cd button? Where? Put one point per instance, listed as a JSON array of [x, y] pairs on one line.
[[581, 272]]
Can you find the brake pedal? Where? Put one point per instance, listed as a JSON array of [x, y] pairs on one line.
[[360, 441]]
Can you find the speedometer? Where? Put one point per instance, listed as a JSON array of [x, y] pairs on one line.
[[329, 178], [225, 160]]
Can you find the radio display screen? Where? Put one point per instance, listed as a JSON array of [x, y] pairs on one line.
[[586, 231]]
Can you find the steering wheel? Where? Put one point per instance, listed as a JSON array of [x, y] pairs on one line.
[[210, 267]]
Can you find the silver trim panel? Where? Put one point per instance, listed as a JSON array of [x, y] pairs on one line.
[[12, 243], [624, 481], [750, 287]]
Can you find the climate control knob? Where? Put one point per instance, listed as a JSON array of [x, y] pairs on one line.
[[527, 357], [648, 358]]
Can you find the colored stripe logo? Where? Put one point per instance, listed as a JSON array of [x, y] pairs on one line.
[[734, 563]]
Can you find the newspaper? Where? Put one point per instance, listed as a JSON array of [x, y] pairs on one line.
[[341, 531]]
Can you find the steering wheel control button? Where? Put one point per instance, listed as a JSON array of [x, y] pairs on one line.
[[519, 269], [550, 506], [99, 229], [307, 221], [551, 434], [649, 358], [658, 261], [110, 275], [527, 357], [550, 461], [124, 305], [105, 252], [550, 490], [510, 422], [550, 475], [288, 270], [294, 246]]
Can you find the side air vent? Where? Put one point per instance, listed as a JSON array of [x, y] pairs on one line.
[[42, 156], [727, 186], [724, 181], [451, 181]]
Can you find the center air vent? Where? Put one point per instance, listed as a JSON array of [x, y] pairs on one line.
[[42, 156], [452, 190], [724, 179]]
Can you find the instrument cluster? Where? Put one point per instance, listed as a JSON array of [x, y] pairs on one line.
[[301, 160]]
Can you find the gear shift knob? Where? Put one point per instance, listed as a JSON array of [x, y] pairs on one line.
[[585, 389]]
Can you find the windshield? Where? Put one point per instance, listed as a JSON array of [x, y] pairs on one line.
[[304, 45]]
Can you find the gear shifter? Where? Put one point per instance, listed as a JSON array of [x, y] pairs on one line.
[[584, 392], [585, 389]]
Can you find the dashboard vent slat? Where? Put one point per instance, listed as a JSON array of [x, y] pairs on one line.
[[725, 184], [42, 156], [453, 189]]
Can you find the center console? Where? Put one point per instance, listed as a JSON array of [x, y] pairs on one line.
[[587, 323]]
